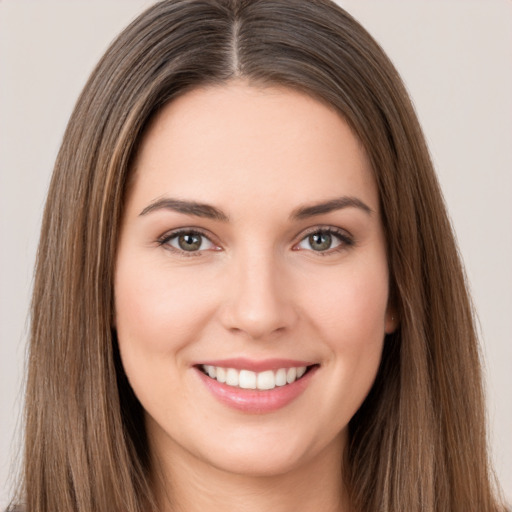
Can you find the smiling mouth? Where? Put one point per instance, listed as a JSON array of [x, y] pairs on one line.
[[247, 379]]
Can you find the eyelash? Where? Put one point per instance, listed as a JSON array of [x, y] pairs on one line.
[[345, 239], [164, 240]]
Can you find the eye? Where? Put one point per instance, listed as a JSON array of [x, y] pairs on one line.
[[325, 240], [188, 241]]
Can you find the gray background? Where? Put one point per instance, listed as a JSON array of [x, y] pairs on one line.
[[455, 57]]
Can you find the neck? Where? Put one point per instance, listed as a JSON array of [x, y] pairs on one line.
[[192, 485]]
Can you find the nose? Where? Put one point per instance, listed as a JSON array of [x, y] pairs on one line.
[[260, 301]]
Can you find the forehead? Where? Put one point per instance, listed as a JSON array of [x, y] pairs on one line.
[[234, 141]]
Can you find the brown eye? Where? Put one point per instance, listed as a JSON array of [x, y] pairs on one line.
[[189, 242]]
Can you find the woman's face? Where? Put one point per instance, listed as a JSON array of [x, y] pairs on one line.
[[252, 250]]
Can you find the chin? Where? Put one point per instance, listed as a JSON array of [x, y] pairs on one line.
[[258, 463], [269, 453]]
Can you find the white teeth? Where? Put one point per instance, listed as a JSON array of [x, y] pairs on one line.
[[291, 375], [221, 374], [232, 377], [211, 371], [281, 377], [266, 380], [247, 379]]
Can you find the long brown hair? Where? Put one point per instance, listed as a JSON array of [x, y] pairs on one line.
[[418, 442]]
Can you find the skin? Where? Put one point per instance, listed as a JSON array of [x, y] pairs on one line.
[[256, 288]]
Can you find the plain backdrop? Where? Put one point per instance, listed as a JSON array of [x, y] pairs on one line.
[[456, 59]]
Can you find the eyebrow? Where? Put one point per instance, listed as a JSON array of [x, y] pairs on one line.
[[187, 208], [338, 203], [211, 212]]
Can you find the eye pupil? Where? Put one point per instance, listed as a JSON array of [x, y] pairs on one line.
[[189, 242], [320, 241]]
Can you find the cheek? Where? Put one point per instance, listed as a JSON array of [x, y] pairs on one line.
[[159, 313], [349, 315], [157, 309], [351, 305], [349, 319]]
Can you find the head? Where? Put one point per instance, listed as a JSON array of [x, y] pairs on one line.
[[414, 409]]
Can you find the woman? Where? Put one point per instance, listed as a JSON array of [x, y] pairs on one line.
[[246, 281]]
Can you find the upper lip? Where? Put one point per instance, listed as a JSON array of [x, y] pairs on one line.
[[241, 363]]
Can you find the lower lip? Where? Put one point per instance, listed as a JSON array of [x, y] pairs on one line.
[[254, 401]]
